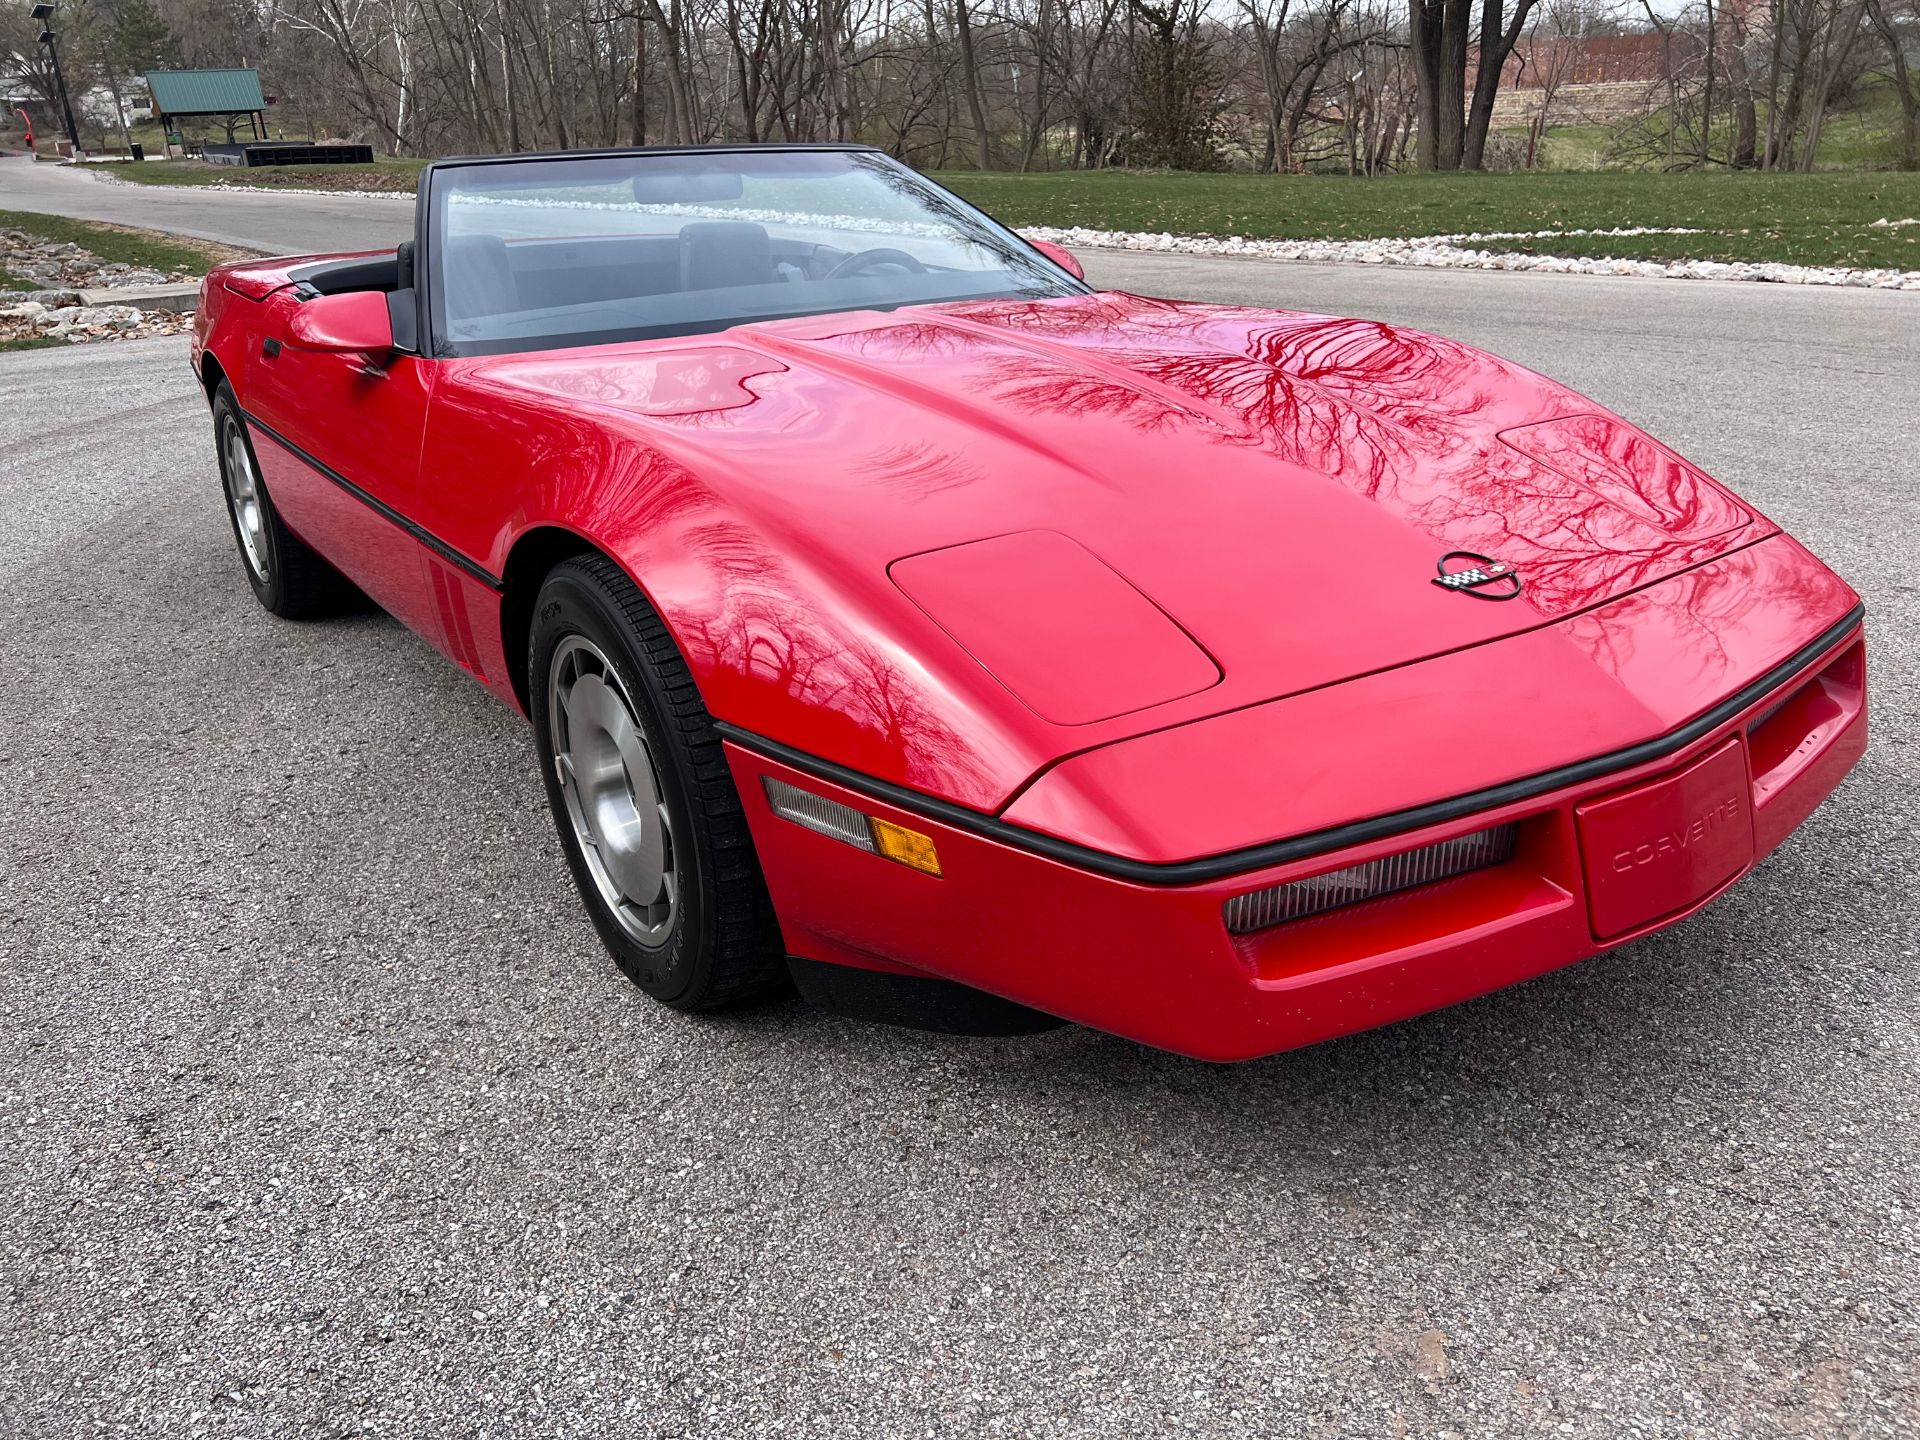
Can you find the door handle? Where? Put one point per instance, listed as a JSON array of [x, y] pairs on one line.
[[269, 347]]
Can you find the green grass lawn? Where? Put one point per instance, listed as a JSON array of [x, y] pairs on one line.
[[169, 254], [396, 176], [1818, 219], [33, 342]]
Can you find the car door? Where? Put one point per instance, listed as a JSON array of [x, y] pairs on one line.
[[338, 440]]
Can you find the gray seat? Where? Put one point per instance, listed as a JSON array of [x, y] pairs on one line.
[[479, 278], [720, 254]]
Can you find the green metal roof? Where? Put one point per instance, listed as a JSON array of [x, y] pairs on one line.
[[205, 92]]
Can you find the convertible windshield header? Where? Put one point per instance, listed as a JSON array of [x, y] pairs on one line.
[[586, 249]]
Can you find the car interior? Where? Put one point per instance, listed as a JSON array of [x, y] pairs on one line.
[[503, 294], [485, 275]]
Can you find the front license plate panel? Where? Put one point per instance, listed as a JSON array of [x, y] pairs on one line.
[[1656, 849]]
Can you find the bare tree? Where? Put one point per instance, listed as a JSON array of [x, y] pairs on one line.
[[1272, 85], [1895, 41]]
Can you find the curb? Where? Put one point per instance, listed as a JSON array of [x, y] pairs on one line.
[[179, 299]]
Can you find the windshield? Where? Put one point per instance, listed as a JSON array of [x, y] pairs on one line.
[[568, 250]]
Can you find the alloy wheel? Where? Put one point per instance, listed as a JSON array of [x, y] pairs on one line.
[[612, 792], [243, 493]]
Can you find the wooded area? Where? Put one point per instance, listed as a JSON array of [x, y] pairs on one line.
[[1364, 86]]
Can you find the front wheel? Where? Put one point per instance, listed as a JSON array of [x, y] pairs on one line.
[[287, 575], [642, 796]]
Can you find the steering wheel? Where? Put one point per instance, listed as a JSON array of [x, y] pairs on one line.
[[862, 260]]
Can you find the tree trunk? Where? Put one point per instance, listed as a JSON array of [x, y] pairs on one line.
[[119, 105], [835, 99], [679, 123], [403, 99], [1902, 86], [506, 82], [1832, 60], [1383, 153], [1706, 93], [1776, 24], [554, 91], [1266, 41], [638, 125], [1496, 44], [970, 78], [746, 76], [1740, 89], [1746, 125], [1037, 121], [1438, 37], [1423, 42]]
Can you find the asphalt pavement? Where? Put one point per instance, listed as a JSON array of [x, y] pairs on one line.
[[257, 220], [322, 1112]]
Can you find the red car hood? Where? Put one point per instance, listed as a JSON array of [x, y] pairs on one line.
[[1282, 485]]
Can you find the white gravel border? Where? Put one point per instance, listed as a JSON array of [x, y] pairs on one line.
[[1435, 252], [1471, 252]]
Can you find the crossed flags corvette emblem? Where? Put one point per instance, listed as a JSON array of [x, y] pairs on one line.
[[1481, 576]]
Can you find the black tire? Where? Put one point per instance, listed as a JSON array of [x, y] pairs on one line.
[[289, 578], [720, 944]]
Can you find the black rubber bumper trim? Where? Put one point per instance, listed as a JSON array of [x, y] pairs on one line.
[[1318, 842], [425, 537]]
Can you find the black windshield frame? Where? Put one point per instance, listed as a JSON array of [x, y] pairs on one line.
[[429, 224]]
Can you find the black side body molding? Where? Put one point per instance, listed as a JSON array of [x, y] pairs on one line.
[[1318, 842], [425, 537]]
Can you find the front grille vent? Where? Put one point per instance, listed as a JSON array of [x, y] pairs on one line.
[[1388, 875]]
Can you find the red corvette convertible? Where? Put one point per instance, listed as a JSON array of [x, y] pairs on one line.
[[894, 609]]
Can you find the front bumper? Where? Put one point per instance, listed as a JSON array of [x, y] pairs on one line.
[[1156, 962]]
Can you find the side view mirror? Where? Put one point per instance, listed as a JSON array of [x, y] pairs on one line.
[[355, 323], [1059, 255]]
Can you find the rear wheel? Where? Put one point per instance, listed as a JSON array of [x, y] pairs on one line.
[[287, 575], [642, 796]]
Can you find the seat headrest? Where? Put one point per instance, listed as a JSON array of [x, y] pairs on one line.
[[479, 278], [719, 254]]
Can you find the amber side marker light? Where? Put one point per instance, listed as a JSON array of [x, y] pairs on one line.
[[909, 847], [851, 827]]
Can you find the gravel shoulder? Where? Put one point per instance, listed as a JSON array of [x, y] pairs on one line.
[[322, 1113]]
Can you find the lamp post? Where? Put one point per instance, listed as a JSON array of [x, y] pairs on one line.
[[43, 12]]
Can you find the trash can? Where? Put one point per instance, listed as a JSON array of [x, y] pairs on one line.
[[138, 151]]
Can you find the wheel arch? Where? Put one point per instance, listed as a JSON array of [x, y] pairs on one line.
[[212, 372], [535, 554], [532, 558]]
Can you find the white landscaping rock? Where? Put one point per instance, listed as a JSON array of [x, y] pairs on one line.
[[62, 266], [1460, 252], [80, 324]]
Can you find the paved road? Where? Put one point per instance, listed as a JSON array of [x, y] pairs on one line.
[[323, 1114], [272, 224]]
